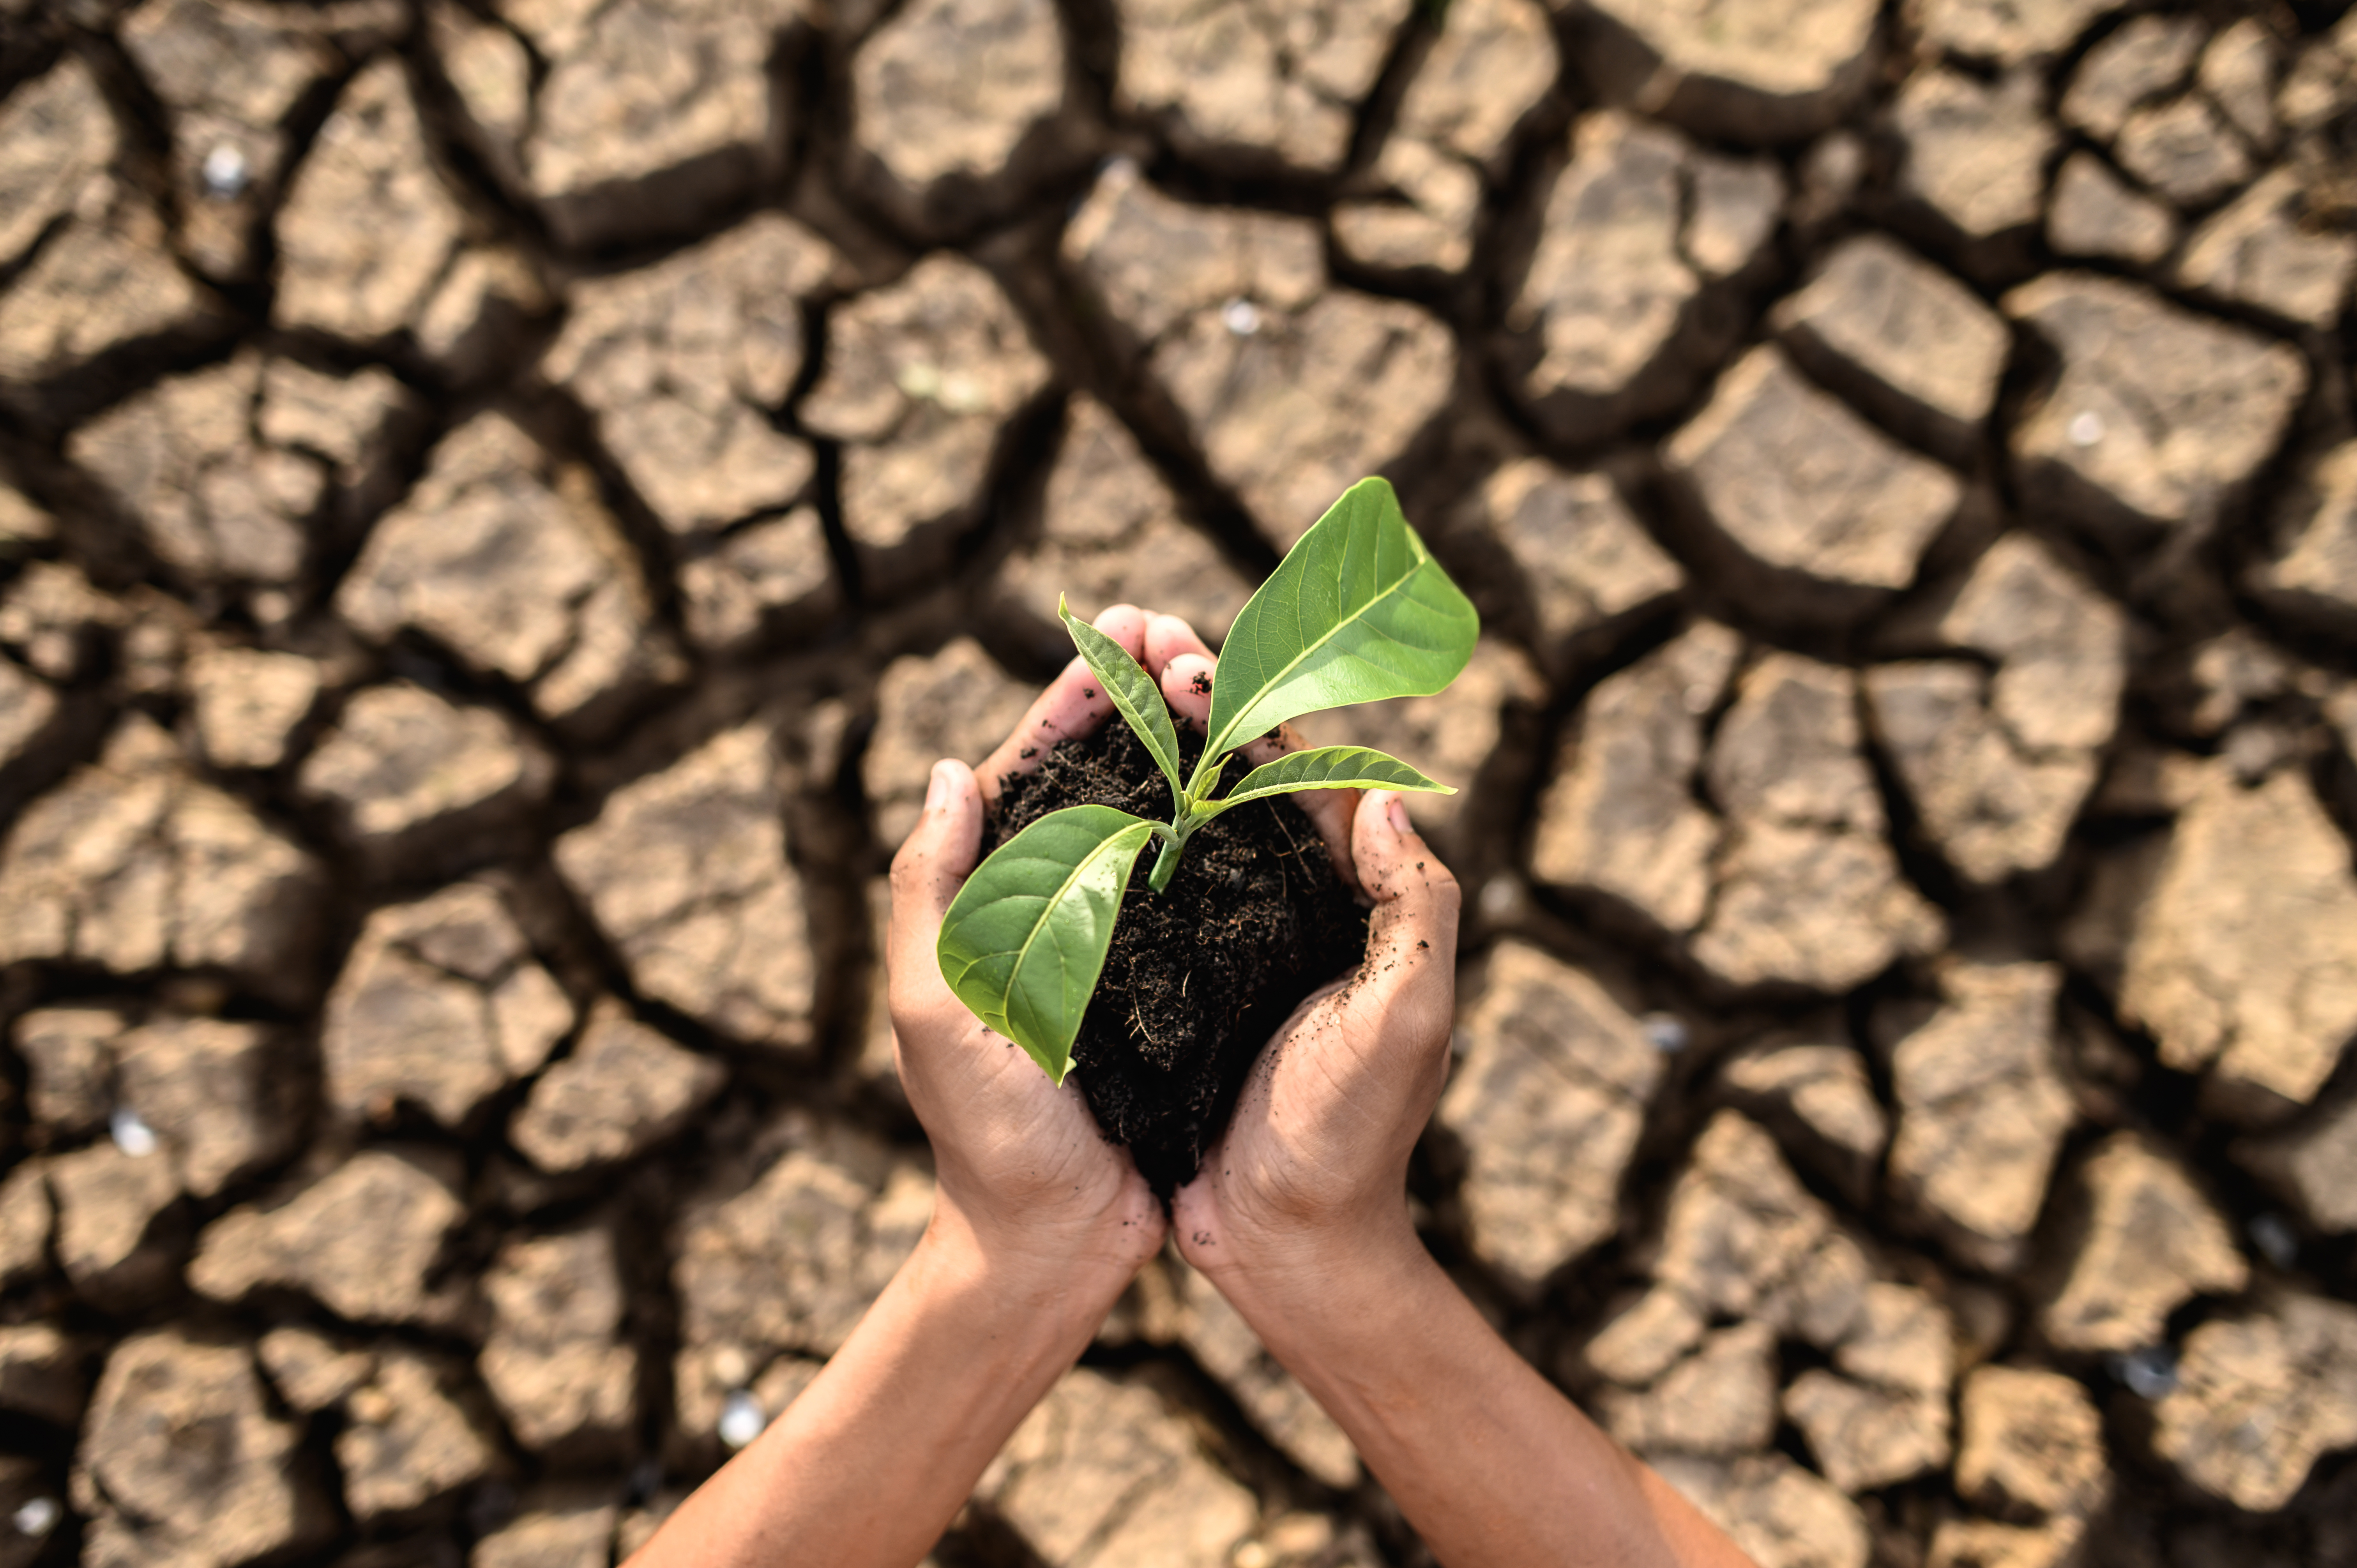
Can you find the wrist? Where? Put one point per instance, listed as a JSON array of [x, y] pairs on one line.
[[1060, 1281], [1371, 1331], [1305, 1286]]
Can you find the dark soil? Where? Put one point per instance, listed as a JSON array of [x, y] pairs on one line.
[[1201, 973]]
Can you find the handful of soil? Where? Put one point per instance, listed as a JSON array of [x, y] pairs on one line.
[[1201, 973]]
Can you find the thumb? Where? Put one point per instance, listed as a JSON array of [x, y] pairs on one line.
[[1409, 982], [932, 865]]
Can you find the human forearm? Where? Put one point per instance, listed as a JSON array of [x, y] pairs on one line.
[[870, 1464], [1491, 1464]]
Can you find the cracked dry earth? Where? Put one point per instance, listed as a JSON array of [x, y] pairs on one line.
[[501, 504]]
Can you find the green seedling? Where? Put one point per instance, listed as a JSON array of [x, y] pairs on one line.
[[1357, 611]]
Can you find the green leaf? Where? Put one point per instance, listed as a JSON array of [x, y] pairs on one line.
[[1207, 779], [1024, 940], [1135, 695], [1327, 768], [1357, 611]]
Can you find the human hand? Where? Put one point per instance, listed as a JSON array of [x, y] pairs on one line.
[[1311, 1174], [1022, 1171]]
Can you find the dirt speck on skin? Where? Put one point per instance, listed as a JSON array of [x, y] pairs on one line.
[[1199, 975]]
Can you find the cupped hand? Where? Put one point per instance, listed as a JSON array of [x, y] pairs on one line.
[[1312, 1171], [1021, 1164]]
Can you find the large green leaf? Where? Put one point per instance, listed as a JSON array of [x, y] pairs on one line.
[[1134, 695], [1327, 768], [1025, 938], [1357, 611]]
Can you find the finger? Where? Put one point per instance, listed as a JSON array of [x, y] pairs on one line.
[[1125, 624], [1415, 894], [1075, 703], [1187, 688], [1167, 638], [1407, 987], [932, 865]]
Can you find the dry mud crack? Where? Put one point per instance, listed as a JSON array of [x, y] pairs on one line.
[[500, 504]]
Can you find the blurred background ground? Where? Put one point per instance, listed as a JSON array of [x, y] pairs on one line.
[[502, 502]]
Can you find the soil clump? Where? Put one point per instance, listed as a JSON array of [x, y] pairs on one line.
[[1199, 975]]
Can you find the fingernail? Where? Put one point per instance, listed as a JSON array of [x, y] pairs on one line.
[[1396, 809], [937, 791]]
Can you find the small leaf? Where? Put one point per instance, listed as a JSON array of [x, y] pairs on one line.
[[1133, 692], [1328, 768], [1024, 940], [1357, 611], [1206, 778]]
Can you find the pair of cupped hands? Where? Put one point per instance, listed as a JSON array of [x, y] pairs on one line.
[[1309, 1178], [1298, 1217]]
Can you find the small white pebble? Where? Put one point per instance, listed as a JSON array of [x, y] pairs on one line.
[[1667, 1032], [225, 172], [1501, 896], [961, 393], [2150, 1373], [920, 380], [131, 1136], [2272, 1234], [1241, 317], [741, 1419], [38, 1517], [2086, 428]]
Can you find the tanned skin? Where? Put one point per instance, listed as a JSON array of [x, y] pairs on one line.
[[1299, 1217]]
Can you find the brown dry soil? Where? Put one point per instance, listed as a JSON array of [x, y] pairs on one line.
[[498, 519]]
